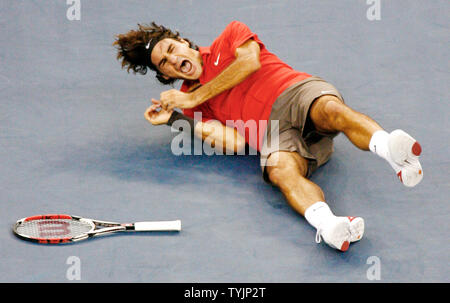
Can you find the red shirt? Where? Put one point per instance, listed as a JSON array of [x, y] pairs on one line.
[[252, 99]]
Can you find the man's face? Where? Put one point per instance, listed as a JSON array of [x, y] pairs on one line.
[[175, 59]]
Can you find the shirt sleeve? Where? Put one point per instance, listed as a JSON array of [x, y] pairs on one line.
[[237, 33]]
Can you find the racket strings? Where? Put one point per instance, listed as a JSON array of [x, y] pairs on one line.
[[53, 228]]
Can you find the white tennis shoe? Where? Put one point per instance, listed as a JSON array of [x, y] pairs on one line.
[[356, 228], [404, 152], [341, 231]]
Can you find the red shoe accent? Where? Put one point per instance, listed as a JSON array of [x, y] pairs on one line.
[[416, 149], [351, 218], [400, 176], [345, 246]]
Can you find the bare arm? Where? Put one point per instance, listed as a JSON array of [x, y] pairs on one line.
[[246, 63], [213, 132], [220, 137]]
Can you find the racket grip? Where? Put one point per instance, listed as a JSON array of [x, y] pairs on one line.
[[158, 226]]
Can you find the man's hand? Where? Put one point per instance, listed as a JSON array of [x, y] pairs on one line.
[[157, 115], [174, 98]]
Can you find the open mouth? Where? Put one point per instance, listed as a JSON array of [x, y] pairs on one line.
[[186, 67]]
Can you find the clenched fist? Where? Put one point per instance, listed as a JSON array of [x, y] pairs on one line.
[[174, 98]]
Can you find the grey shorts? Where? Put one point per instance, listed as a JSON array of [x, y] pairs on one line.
[[290, 129]]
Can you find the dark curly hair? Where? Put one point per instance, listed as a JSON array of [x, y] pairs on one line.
[[135, 47]]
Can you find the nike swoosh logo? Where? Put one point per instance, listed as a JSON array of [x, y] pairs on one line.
[[217, 61]]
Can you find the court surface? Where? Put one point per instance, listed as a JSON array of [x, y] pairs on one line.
[[73, 139]]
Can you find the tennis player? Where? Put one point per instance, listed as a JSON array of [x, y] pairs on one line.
[[237, 78]]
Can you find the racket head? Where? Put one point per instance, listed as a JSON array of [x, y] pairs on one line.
[[53, 228]]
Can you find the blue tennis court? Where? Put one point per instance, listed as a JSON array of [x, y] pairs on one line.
[[73, 139]]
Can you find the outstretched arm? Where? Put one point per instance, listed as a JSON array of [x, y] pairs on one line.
[[220, 137], [213, 132]]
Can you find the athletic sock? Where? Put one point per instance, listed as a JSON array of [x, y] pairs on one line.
[[379, 145], [318, 213]]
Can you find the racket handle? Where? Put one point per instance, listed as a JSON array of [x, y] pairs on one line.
[[158, 226]]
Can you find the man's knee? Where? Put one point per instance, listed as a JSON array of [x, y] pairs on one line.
[[328, 113], [283, 166]]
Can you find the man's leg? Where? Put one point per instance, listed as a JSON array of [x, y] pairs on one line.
[[329, 114], [287, 171]]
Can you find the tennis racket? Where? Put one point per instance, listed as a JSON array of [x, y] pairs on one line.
[[56, 229]]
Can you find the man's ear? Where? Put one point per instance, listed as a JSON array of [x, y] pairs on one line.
[[163, 78], [161, 75]]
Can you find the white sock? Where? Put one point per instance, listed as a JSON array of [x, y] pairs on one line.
[[318, 213], [379, 144]]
